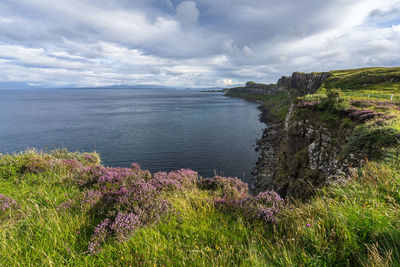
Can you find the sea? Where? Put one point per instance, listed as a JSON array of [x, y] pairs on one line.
[[160, 129]]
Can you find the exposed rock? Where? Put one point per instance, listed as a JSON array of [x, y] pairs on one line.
[[255, 88], [302, 83], [378, 104], [310, 156], [313, 105], [255, 85], [302, 153], [364, 115], [268, 146]]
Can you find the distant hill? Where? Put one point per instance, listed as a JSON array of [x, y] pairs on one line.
[[125, 86], [22, 85], [15, 85]]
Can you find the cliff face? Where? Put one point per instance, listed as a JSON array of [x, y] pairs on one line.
[[268, 146], [302, 83], [282, 164], [311, 154], [299, 83], [254, 88], [303, 152]]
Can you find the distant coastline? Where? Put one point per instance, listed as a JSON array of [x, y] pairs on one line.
[[215, 90]]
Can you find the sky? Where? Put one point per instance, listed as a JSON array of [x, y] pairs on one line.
[[202, 43]]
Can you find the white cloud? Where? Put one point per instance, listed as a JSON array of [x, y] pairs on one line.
[[227, 82], [199, 42]]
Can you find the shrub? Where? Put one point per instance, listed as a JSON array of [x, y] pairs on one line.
[[314, 97], [370, 141], [28, 161], [32, 161], [334, 101], [36, 163], [100, 234], [7, 203], [8, 167], [176, 180], [84, 158], [232, 196], [226, 186], [124, 224], [72, 164], [126, 198], [265, 206]]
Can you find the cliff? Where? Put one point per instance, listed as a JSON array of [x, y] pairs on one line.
[[311, 153], [254, 88], [297, 84], [302, 83], [322, 136], [282, 140]]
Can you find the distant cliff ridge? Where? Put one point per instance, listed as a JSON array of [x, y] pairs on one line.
[[300, 83]]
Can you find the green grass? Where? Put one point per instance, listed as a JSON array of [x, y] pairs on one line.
[[372, 83], [367, 88], [356, 224], [278, 105]]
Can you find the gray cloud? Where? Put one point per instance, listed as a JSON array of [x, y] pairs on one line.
[[191, 43], [187, 14]]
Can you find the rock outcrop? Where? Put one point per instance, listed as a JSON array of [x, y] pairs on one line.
[[300, 83], [254, 88], [268, 145], [311, 155], [321, 139], [303, 152]]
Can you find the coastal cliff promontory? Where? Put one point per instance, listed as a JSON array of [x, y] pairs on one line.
[[319, 133], [298, 84]]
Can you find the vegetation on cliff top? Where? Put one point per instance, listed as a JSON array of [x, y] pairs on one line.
[[278, 104], [370, 97], [380, 84], [366, 83]]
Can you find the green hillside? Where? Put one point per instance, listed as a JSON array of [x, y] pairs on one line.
[[374, 83]]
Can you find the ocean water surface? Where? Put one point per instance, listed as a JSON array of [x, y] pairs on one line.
[[160, 129]]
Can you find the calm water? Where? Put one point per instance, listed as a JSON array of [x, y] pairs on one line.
[[159, 129]]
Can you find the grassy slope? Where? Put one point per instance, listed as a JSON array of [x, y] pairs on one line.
[[377, 83], [361, 84], [278, 104], [355, 224], [372, 89]]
